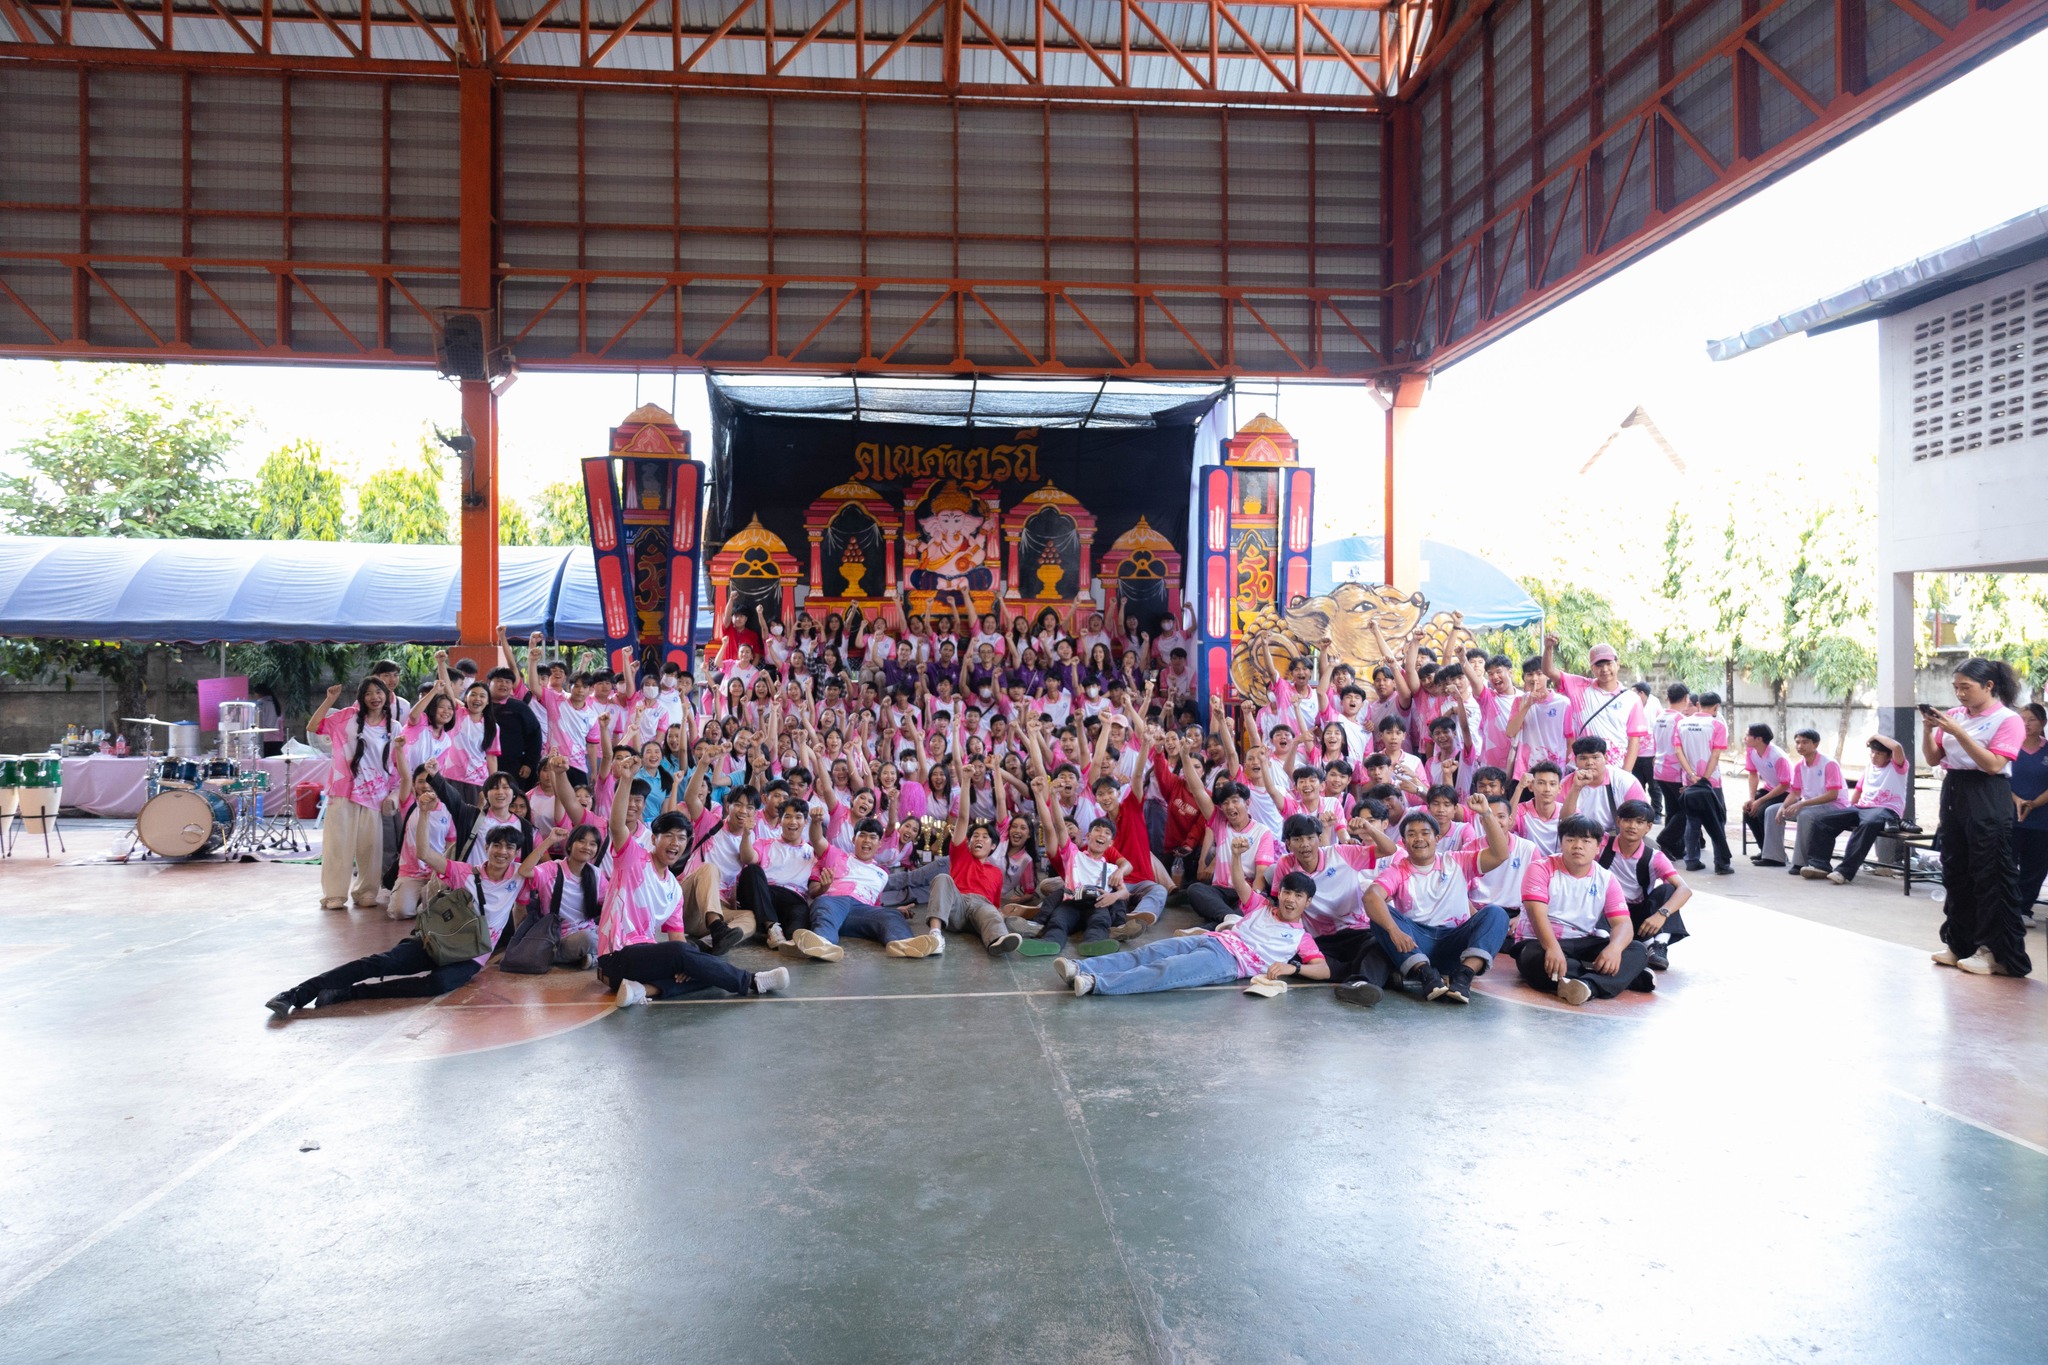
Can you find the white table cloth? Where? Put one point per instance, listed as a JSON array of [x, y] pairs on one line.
[[115, 787]]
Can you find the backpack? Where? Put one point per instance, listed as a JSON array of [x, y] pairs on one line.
[[452, 927], [539, 936], [1644, 882]]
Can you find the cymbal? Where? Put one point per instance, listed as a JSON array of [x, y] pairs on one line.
[[252, 730], [147, 720]]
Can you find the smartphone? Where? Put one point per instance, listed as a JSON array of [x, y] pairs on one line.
[[1927, 710]]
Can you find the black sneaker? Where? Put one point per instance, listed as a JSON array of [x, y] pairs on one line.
[[281, 1004], [1724, 870], [1646, 981], [725, 938], [1659, 956], [1425, 982], [1767, 862], [1360, 993], [1695, 865], [340, 995], [1458, 989]]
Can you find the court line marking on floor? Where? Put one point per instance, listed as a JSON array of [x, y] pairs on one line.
[[199, 1166], [1150, 1311], [1979, 1124]]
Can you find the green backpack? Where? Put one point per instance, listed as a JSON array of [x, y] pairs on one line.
[[452, 927]]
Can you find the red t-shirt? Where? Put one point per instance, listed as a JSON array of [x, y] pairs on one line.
[[1183, 816], [729, 644], [1133, 843], [973, 876]]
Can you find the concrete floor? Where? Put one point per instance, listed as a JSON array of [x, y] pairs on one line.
[[1809, 1144]]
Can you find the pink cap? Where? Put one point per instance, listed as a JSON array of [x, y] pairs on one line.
[[1602, 653]]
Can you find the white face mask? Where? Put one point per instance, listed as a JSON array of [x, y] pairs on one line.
[[668, 684], [1093, 689], [775, 630], [987, 692], [650, 690]]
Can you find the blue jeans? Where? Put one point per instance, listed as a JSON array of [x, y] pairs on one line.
[[1442, 947], [833, 915], [1171, 964]]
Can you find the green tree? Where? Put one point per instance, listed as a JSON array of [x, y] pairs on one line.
[[1579, 617], [1816, 605], [1842, 665], [514, 527], [297, 496], [134, 460], [560, 515], [1676, 644], [402, 505]]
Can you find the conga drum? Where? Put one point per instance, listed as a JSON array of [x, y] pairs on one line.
[[41, 790], [10, 783]]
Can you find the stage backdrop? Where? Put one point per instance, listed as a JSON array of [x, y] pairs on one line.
[[866, 512]]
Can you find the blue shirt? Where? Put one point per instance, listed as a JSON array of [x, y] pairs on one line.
[[2028, 773]]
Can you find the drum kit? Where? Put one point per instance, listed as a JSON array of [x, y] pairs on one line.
[[199, 806]]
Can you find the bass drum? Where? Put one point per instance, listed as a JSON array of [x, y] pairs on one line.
[[181, 824]]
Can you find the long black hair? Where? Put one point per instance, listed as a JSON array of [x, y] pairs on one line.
[[355, 758], [1995, 674], [490, 720]]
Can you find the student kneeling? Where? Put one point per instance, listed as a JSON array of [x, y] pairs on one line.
[[1576, 938], [1264, 943], [419, 965]]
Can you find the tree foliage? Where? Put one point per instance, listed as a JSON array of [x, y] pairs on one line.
[[135, 459], [560, 515], [402, 505], [514, 526], [298, 497]]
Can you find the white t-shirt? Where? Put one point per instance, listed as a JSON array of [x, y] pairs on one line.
[[498, 899], [787, 865]]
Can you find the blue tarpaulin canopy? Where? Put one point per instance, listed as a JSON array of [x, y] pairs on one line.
[[1452, 580], [254, 591]]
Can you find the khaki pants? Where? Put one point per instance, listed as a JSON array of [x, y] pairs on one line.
[[701, 901], [351, 854], [956, 910]]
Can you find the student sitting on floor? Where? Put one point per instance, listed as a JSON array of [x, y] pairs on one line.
[[969, 893], [645, 900], [1228, 811], [778, 871], [1880, 803], [1265, 942], [1084, 897], [1421, 907], [573, 888], [1596, 789], [1340, 874], [408, 970], [1575, 935], [1650, 885], [850, 904]]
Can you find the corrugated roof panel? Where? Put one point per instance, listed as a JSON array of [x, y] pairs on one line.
[[817, 165]]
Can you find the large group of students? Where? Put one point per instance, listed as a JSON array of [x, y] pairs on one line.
[[1049, 786]]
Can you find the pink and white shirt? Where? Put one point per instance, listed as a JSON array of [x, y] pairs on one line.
[[1264, 850], [1261, 941], [1884, 787], [569, 726], [1342, 874], [1623, 866], [440, 830], [1492, 734], [498, 896], [1503, 885], [373, 779], [1603, 802], [424, 744], [1809, 780], [1577, 907], [1543, 733], [1538, 829], [467, 757], [1439, 895], [1615, 716], [1773, 768], [845, 875], [1664, 746], [1699, 735], [1999, 729], [575, 914], [644, 900], [789, 866]]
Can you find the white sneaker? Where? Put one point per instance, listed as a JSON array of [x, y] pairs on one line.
[[774, 979], [1066, 969], [815, 946], [775, 937], [1838, 879], [1083, 983], [631, 993], [1229, 921], [1979, 963], [922, 945], [1573, 991], [1945, 958], [383, 898], [590, 960], [393, 912], [938, 939], [1189, 932]]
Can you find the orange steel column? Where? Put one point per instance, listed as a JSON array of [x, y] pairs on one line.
[[477, 617], [1402, 545]]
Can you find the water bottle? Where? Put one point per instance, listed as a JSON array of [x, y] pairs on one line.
[[259, 805]]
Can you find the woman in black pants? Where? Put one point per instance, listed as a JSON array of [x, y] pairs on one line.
[[1973, 743]]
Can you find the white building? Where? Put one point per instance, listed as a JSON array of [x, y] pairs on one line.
[[1963, 431]]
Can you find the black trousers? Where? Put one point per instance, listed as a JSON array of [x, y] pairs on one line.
[[1355, 955], [1578, 961], [771, 904], [1706, 821], [1755, 820], [1676, 837], [1863, 826], [1212, 902], [1638, 911], [1978, 870], [1645, 772], [408, 972], [1063, 918], [671, 968], [2032, 847]]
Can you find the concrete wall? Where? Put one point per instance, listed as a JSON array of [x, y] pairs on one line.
[[33, 714]]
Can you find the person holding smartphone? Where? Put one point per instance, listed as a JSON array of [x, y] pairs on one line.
[[1973, 744]]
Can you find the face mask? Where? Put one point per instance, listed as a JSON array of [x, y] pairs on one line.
[[775, 631], [1093, 689], [987, 692], [668, 684], [650, 690]]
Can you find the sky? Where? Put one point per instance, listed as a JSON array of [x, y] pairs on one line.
[[1526, 412]]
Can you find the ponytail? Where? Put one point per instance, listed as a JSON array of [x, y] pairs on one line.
[[1995, 674]]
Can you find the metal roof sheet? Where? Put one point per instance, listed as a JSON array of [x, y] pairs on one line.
[[1977, 257]]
